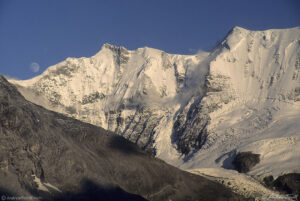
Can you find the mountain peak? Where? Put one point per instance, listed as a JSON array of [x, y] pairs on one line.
[[239, 29], [112, 47]]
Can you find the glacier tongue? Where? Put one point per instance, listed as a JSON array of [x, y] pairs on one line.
[[194, 111]]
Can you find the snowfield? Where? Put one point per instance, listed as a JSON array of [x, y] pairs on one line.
[[193, 111]]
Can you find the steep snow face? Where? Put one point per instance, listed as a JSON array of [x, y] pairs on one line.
[[193, 111], [261, 65], [128, 92], [252, 101]]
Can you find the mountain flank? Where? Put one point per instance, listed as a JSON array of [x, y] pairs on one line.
[[50, 156]]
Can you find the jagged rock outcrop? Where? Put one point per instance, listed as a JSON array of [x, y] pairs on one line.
[[287, 183], [244, 161]]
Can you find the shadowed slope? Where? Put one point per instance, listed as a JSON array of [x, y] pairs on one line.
[[50, 155]]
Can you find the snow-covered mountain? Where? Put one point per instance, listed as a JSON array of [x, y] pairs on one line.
[[193, 111]]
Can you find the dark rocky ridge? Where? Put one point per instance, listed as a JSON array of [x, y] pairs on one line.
[[190, 128], [287, 183], [83, 161], [190, 131]]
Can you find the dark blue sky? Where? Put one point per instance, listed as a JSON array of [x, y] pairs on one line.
[[48, 31]]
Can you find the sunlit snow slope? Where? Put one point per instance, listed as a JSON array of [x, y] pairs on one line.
[[194, 111]]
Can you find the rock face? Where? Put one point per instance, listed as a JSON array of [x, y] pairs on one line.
[[287, 183], [46, 154], [190, 110], [244, 161]]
